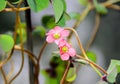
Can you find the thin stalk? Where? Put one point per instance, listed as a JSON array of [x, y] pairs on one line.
[[82, 49], [15, 9], [4, 76], [95, 30], [41, 50], [79, 42], [82, 17], [6, 60], [97, 66], [9, 4], [31, 55], [115, 7], [20, 2], [21, 44], [11, 70], [38, 60], [21, 67], [65, 73]]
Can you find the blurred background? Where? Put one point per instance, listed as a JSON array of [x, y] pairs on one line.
[[106, 44]]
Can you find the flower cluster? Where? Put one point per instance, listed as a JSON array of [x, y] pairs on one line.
[[57, 35]]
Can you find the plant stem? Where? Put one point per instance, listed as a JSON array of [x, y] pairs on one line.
[[38, 60], [31, 55], [65, 73], [4, 76], [19, 4], [9, 4], [100, 68], [29, 43], [82, 17], [21, 44], [82, 49], [21, 67], [79, 42], [115, 7], [41, 50], [15, 9], [96, 27], [11, 70]]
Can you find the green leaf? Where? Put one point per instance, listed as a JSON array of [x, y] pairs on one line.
[[64, 4], [101, 82], [6, 42], [100, 8], [91, 56], [111, 77], [58, 9], [38, 5], [39, 30], [48, 21], [113, 65], [61, 22], [22, 26], [83, 2], [49, 80], [71, 76], [113, 70], [67, 16], [2, 4], [74, 15]]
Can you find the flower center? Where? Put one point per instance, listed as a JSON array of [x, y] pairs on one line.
[[65, 49], [56, 35]]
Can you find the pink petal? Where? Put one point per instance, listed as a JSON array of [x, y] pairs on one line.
[[50, 39], [68, 45], [65, 33], [72, 52], [57, 42], [65, 56], [58, 29], [62, 42], [51, 32]]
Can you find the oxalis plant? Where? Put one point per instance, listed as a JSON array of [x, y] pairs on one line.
[[63, 68]]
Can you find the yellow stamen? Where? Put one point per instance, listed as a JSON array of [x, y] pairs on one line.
[[64, 49], [56, 35]]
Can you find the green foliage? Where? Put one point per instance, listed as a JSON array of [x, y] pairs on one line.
[[67, 16], [49, 80], [100, 8], [91, 56], [113, 70], [14, 1], [83, 2], [38, 5], [58, 7], [40, 31], [2, 4], [61, 21], [48, 21], [102, 82], [54, 74], [6, 42], [71, 76], [74, 15], [22, 26]]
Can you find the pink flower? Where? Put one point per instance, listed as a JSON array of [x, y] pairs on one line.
[[56, 34], [66, 50]]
